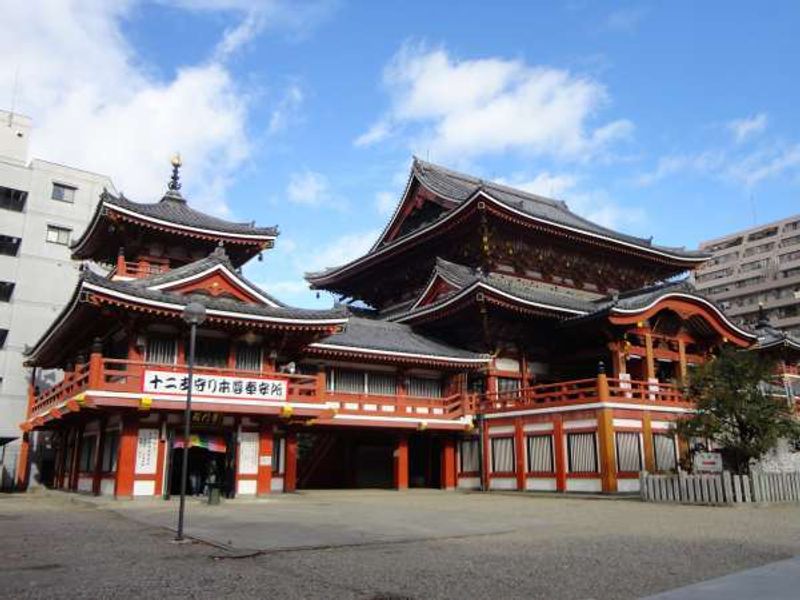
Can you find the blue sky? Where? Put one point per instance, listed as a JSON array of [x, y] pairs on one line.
[[671, 119]]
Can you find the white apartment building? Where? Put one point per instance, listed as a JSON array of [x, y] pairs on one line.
[[756, 267], [43, 206]]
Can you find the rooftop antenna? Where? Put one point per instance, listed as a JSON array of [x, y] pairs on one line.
[[13, 96], [753, 208]]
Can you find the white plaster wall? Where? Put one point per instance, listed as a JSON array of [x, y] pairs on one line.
[[143, 487], [503, 483], [628, 485], [540, 484], [246, 487], [106, 487], [84, 484], [584, 485], [469, 483], [277, 484]]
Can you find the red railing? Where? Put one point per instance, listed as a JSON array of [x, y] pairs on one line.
[[585, 391], [119, 375], [449, 407], [138, 269]]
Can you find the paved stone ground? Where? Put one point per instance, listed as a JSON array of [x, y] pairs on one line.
[[382, 545]]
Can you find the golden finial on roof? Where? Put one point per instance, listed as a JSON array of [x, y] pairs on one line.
[[174, 184]]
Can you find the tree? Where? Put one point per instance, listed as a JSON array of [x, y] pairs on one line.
[[738, 408]]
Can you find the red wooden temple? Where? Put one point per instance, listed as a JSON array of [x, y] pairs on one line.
[[492, 338]]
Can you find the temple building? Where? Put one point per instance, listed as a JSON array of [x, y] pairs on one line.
[[490, 338]]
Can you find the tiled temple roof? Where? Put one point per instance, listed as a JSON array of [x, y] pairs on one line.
[[370, 334]]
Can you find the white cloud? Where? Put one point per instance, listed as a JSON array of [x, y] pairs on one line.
[[625, 19], [287, 109], [740, 168], [465, 108], [544, 184], [97, 106], [341, 250], [594, 204], [747, 127], [308, 188], [386, 202]]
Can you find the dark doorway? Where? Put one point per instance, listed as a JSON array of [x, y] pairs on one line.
[[341, 460], [424, 461]]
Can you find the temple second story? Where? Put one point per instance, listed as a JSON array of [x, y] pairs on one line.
[[139, 239]]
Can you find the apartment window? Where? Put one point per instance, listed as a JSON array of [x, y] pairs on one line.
[[6, 289], [754, 265], [725, 244], [792, 226], [3, 336], [160, 350], [764, 233], [58, 235], [9, 245], [425, 387], [63, 193], [664, 447], [629, 455], [789, 256], [540, 453], [248, 358], [715, 275], [12, 199], [503, 455], [582, 453], [110, 446], [790, 241], [469, 459]]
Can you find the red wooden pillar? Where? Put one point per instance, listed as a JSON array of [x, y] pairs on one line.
[[486, 465], [448, 464], [559, 451], [290, 472], [264, 481], [23, 462], [401, 462], [126, 460], [605, 433], [519, 452]]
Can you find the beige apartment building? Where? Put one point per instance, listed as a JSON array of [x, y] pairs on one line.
[[43, 207], [756, 267]]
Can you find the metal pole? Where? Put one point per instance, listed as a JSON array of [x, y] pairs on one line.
[[187, 423]]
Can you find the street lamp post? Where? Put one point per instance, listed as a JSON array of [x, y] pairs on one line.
[[194, 314]]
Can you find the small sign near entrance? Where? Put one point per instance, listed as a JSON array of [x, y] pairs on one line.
[[217, 386], [206, 418], [707, 462]]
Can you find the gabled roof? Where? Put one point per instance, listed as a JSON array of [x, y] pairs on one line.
[[96, 289], [172, 212], [466, 281], [462, 190], [374, 338], [771, 338], [640, 304], [216, 262]]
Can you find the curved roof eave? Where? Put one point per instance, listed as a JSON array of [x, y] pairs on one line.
[[664, 253]]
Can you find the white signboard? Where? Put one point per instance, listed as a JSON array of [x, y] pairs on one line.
[[213, 386], [147, 452], [248, 453], [707, 462]]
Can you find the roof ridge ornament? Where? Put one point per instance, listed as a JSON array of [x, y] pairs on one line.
[[174, 185]]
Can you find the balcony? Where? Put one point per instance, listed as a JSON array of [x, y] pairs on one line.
[[104, 382], [586, 391], [137, 269]]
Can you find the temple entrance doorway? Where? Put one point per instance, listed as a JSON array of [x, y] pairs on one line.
[[424, 461], [344, 460], [210, 463]]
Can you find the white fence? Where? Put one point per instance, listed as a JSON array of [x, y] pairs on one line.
[[723, 488]]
